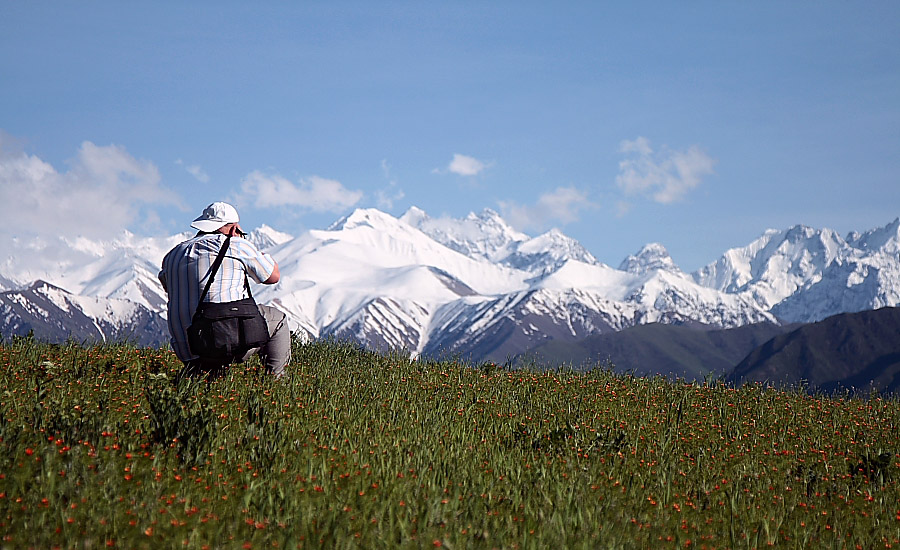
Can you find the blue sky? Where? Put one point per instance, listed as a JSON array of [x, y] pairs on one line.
[[694, 124]]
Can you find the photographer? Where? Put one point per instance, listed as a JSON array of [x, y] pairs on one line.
[[215, 264]]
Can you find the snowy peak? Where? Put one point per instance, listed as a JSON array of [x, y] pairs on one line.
[[51, 313], [785, 260], [652, 257], [264, 237], [484, 236], [797, 244], [803, 274], [548, 252], [825, 243], [367, 217], [415, 216], [801, 252], [884, 239], [369, 237]]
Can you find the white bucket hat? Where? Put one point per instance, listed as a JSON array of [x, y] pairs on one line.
[[215, 216]]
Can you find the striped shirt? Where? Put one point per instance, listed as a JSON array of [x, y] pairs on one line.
[[185, 270]]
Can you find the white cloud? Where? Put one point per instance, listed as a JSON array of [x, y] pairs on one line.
[[384, 198], [666, 176], [195, 170], [198, 173], [465, 166], [104, 191], [563, 205], [622, 208], [314, 193]]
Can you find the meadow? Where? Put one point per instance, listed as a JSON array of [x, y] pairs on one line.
[[106, 447]]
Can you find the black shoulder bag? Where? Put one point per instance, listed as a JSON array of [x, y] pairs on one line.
[[226, 329]]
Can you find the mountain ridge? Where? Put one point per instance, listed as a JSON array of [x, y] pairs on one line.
[[857, 351], [476, 287], [689, 352]]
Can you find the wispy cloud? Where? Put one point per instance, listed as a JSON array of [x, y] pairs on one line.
[[104, 191], [384, 198], [463, 165], [665, 176], [314, 193], [562, 205], [194, 170]]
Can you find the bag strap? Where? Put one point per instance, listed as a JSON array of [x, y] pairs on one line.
[[215, 268], [247, 285]]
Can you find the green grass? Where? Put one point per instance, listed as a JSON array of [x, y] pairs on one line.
[[102, 447]]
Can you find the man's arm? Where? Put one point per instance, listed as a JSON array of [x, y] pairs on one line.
[[273, 278], [257, 262]]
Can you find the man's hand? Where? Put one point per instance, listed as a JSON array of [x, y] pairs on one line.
[[236, 230]]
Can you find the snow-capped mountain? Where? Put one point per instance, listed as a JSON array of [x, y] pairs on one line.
[[486, 235], [651, 257], [54, 314], [489, 237], [471, 286], [803, 274], [123, 268]]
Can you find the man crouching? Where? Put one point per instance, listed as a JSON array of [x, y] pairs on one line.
[[213, 268]]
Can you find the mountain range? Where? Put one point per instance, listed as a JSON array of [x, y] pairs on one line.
[[471, 287]]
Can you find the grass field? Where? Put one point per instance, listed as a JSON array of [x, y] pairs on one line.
[[101, 447]]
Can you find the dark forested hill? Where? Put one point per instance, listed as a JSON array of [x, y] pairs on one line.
[[671, 350], [850, 350]]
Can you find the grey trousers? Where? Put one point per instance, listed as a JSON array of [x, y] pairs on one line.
[[275, 354]]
